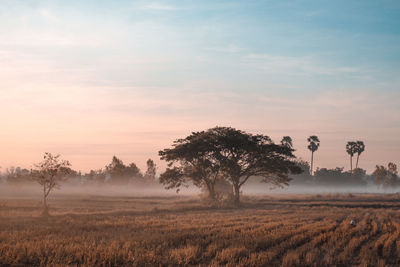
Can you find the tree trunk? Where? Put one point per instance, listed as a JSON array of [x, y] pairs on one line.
[[45, 211], [236, 196], [211, 191], [351, 164], [312, 162], [44, 197], [358, 156]]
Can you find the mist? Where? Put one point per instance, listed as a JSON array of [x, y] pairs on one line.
[[31, 190]]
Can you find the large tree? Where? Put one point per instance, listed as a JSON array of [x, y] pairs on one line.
[[191, 159], [242, 156], [49, 173], [351, 149], [204, 157], [313, 145], [360, 147]]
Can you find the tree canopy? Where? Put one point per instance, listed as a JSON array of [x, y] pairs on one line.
[[230, 154], [194, 160]]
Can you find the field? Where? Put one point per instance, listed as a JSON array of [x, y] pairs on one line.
[[278, 230]]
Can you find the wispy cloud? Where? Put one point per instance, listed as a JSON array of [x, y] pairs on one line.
[[302, 65], [48, 15], [83, 73], [159, 6], [227, 49]]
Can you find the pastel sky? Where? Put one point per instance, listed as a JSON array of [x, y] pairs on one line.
[[93, 79]]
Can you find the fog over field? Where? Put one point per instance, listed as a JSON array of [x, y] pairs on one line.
[[31, 190], [200, 133]]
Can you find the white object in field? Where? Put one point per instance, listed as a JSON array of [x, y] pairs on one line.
[[352, 223]]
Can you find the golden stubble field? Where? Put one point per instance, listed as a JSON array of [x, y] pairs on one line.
[[280, 230]]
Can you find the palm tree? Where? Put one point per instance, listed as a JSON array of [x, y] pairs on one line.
[[351, 149], [287, 141], [360, 149], [313, 146]]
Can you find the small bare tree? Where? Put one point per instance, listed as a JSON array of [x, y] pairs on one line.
[[49, 173]]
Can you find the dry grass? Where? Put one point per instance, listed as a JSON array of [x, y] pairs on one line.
[[282, 230]]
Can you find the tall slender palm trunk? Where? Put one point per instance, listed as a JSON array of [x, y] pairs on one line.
[[358, 156], [312, 162], [351, 164]]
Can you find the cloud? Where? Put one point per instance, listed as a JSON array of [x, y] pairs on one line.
[[158, 6], [48, 15], [301, 65], [228, 49]]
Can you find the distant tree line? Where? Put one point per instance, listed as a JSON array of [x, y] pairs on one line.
[[220, 161], [385, 178], [222, 158], [116, 172], [52, 171]]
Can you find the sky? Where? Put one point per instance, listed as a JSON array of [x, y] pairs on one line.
[[93, 79]]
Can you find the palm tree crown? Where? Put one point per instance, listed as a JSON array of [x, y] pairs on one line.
[[313, 146], [314, 143], [351, 149]]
